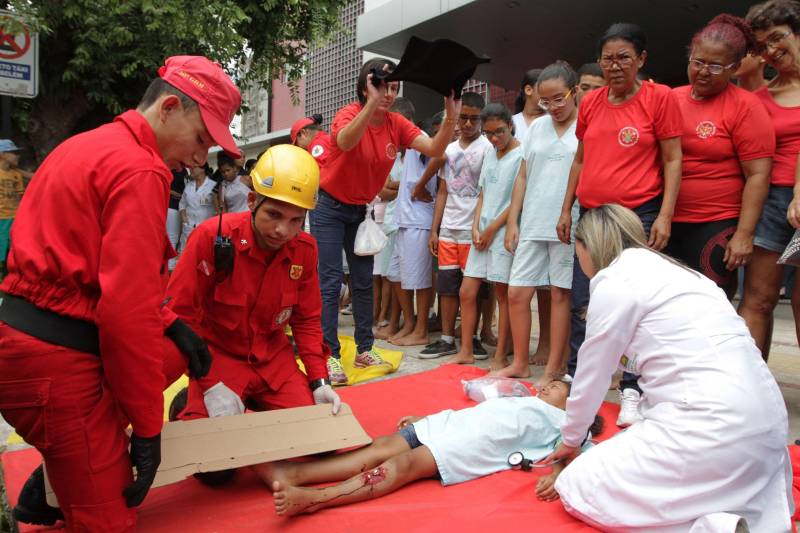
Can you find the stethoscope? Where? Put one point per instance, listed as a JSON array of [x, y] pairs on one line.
[[518, 461]]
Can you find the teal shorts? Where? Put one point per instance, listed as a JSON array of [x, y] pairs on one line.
[[5, 237]]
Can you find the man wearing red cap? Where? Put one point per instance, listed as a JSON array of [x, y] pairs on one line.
[[82, 325], [307, 133]]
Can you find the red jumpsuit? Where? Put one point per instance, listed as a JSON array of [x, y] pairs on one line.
[[243, 318], [89, 242]]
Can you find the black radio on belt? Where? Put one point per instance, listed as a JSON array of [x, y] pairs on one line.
[[223, 254]]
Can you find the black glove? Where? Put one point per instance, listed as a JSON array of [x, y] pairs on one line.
[[192, 346], [145, 456]]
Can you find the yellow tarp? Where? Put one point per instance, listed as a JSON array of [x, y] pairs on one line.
[[355, 375]]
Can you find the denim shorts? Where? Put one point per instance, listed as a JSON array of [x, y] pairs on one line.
[[773, 231], [409, 434]]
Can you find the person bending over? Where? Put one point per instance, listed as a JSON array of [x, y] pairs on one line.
[[453, 446]]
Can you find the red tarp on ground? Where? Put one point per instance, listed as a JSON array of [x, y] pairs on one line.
[[502, 501]]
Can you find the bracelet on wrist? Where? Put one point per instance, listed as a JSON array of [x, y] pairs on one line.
[[317, 383]]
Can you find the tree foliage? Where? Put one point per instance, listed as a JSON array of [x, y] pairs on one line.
[[97, 56]]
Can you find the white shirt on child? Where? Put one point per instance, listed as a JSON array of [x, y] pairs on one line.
[[548, 158], [520, 126], [461, 174], [414, 213], [497, 181]]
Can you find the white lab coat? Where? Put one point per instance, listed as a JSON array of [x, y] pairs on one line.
[[715, 427], [199, 205]]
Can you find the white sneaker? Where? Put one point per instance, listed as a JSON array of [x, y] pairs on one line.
[[629, 408]]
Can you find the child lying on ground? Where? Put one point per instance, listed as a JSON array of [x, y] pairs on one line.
[[454, 446]]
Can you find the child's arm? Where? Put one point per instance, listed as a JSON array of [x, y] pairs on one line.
[[420, 193], [476, 223], [545, 487], [515, 209], [564, 226], [438, 213], [408, 420], [389, 191]]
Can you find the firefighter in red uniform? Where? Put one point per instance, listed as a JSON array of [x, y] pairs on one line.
[[82, 324], [307, 133], [242, 309]]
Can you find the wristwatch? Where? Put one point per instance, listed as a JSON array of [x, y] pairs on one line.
[[317, 383]]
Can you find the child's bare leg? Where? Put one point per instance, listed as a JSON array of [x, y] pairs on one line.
[[386, 299], [559, 333], [419, 336], [406, 299], [487, 315], [503, 327], [543, 348], [519, 310], [469, 316], [394, 318], [376, 482], [335, 467]]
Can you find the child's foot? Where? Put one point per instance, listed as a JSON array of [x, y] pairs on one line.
[[385, 332], [291, 500], [540, 357], [498, 363], [410, 340], [461, 359], [513, 371], [281, 471], [546, 378], [405, 331]]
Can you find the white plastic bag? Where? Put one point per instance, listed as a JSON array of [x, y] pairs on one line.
[[370, 238], [486, 388]]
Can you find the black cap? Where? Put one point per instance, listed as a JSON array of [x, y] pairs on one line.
[[442, 65]]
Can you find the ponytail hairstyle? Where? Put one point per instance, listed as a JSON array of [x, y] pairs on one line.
[[530, 78], [734, 32], [610, 229], [560, 70]]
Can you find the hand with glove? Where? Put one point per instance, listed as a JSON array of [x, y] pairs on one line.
[[192, 346], [222, 401], [146, 456], [324, 393]]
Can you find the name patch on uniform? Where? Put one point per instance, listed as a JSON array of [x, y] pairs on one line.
[[283, 316], [295, 271]]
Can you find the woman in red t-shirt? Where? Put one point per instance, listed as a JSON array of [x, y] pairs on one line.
[[728, 142], [365, 139], [630, 154], [776, 25]]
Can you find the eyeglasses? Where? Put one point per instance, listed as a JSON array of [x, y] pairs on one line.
[[624, 61], [555, 103], [499, 132], [471, 118], [774, 40], [713, 68]]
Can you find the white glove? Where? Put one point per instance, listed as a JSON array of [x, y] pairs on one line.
[[222, 401], [326, 394]]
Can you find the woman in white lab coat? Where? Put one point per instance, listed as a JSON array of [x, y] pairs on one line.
[[197, 202], [712, 444]]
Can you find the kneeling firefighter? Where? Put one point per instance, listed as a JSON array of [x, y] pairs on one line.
[[241, 280]]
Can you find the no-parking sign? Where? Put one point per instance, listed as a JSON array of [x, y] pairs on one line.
[[19, 58]]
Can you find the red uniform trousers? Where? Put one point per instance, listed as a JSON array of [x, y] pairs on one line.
[[57, 400], [243, 379]]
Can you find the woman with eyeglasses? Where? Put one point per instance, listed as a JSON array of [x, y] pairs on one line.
[[630, 154], [776, 25], [540, 259], [728, 142]]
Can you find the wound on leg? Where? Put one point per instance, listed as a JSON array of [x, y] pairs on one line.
[[374, 476]]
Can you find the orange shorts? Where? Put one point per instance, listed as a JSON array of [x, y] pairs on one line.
[[454, 248]]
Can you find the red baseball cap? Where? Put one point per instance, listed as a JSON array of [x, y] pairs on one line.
[[299, 125], [206, 83]]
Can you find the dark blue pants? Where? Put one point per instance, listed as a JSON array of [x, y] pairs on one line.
[[334, 225], [647, 212]]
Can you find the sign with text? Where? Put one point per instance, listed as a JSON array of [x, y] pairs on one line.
[[19, 57]]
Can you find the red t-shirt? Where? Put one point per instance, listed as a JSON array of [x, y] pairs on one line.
[[320, 147], [717, 135], [786, 121], [621, 155], [358, 175]]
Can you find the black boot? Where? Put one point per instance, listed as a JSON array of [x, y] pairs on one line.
[[178, 404], [32, 507]]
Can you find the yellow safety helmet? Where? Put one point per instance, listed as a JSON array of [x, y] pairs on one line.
[[289, 174]]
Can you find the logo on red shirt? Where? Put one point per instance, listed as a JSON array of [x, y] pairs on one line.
[[706, 129], [283, 316], [317, 150], [391, 151], [628, 136]]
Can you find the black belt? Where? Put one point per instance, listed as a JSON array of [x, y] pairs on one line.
[[48, 326]]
